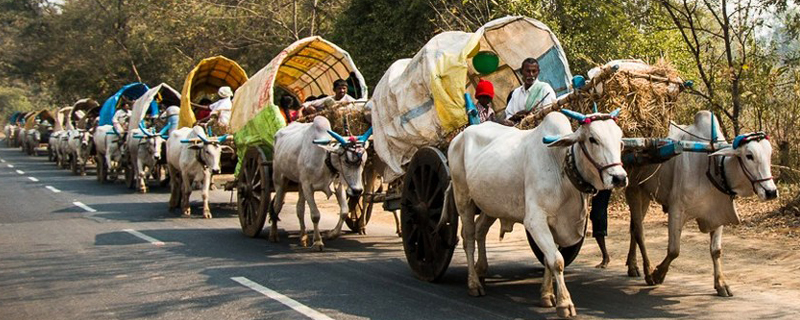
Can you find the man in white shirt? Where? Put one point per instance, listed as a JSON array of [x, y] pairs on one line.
[[222, 108], [339, 95], [532, 94], [120, 119]]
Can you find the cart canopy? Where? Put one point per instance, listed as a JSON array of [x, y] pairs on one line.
[[420, 101], [43, 115], [307, 67], [204, 80], [83, 105], [61, 119], [12, 119], [148, 103], [131, 91]]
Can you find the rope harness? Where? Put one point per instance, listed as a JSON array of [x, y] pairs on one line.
[[718, 178], [574, 176]]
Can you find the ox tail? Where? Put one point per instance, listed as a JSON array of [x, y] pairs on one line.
[[273, 214], [449, 204]]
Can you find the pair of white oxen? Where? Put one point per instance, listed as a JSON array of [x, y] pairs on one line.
[[536, 191]]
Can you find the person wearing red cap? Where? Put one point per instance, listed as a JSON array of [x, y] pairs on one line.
[[485, 93]]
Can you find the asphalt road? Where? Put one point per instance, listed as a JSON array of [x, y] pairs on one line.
[[71, 248]]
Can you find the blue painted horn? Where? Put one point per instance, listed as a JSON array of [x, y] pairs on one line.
[[615, 113], [203, 138], [338, 138], [322, 141], [574, 115], [222, 138], [363, 138]]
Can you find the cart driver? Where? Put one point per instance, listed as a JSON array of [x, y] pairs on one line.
[[220, 110], [531, 95], [120, 119], [339, 95]]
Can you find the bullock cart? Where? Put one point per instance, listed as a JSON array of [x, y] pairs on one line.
[[422, 103], [39, 126], [148, 133], [305, 68], [11, 128], [105, 117], [203, 82]]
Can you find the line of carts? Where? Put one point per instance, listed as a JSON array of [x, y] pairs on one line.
[[415, 110]]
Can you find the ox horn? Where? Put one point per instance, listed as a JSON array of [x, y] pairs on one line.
[[362, 138], [338, 138], [203, 138], [615, 113], [222, 138], [322, 141], [145, 131], [574, 115]]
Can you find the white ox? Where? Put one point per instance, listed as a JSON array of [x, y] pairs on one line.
[[304, 154], [144, 152], [111, 150], [686, 193], [9, 131], [530, 186], [52, 142], [191, 157], [79, 146]]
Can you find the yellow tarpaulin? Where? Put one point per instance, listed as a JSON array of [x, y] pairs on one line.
[[205, 79]]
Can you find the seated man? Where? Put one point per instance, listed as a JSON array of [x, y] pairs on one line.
[[533, 94], [220, 111], [120, 119], [340, 95]]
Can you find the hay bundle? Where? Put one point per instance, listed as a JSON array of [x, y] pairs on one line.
[[355, 114], [645, 93]]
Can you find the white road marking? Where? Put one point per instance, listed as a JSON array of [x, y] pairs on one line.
[[289, 302], [52, 189], [10, 165], [20, 172], [33, 179], [84, 207], [144, 237], [3, 160]]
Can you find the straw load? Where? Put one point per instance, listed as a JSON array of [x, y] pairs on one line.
[[353, 114], [647, 95]]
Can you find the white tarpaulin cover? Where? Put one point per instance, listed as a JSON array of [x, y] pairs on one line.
[[144, 103], [419, 101]]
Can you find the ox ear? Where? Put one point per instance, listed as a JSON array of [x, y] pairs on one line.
[[561, 141], [727, 152]]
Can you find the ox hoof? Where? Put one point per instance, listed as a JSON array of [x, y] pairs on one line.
[[477, 292], [566, 311], [304, 240], [657, 277], [548, 301], [602, 265], [332, 235], [724, 291], [318, 246], [273, 238], [207, 215], [187, 212], [633, 272]]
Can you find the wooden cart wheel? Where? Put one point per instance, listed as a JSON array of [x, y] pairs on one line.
[[568, 253], [361, 206], [428, 251], [254, 189]]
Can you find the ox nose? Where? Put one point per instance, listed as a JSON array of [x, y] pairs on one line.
[[215, 171], [354, 192], [771, 194], [619, 180]]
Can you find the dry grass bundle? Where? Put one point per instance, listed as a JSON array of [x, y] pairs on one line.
[[336, 114], [647, 95]]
